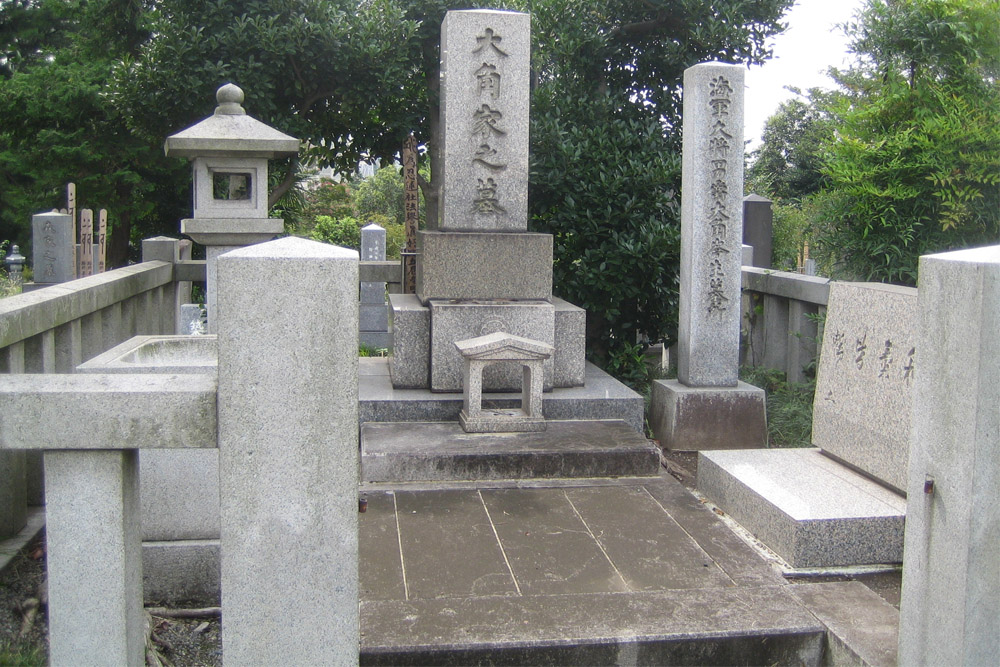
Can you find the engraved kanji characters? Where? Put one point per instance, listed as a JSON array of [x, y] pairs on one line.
[[486, 119], [719, 147]]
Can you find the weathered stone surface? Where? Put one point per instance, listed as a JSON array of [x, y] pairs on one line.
[[569, 364], [862, 628], [374, 317], [181, 572], [52, 247], [485, 67], [123, 411], [288, 454], [861, 413], [94, 559], [410, 363], [456, 320], [695, 418], [810, 510], [13, 493], [440, 451], [950, 609], [460, 265], [711, 226]]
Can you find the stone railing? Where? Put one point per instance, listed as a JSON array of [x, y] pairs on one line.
[[296, 386], [54, 329], [781, 319]]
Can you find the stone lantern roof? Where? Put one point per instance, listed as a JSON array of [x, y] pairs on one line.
[[230, 132]]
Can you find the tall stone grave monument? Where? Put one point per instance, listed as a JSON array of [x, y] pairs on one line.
[[949, 613], [374, 312], [707, 407], [480, 271]]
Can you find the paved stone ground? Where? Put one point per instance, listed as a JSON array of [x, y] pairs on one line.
[[617, 568], [621, 563]]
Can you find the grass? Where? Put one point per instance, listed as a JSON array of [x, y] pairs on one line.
[[15, 655], [789, 406]]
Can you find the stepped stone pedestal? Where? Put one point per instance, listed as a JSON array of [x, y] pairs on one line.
[[837, 505], [810, 510], [442, 451]]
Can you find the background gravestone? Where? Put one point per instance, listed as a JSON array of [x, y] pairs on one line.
[[374, 311], [53, 252]]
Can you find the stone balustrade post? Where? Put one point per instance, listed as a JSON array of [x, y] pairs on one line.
[[287, 321]]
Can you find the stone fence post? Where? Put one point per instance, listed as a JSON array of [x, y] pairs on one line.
[[950, 607], [288, 453]]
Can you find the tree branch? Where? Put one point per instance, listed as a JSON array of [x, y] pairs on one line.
[[286, 183]]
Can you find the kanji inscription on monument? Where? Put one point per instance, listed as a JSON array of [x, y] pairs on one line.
[[484, 86]]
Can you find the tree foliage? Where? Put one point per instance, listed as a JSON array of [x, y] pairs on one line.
[[910, 154], [58, 127], [353, 78]]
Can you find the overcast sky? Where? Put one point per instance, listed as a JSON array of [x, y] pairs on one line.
[[802, 55]]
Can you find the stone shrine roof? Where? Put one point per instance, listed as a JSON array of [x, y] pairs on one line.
[[503, 347]]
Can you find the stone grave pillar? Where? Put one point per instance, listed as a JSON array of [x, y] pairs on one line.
[[229, 151], [707, 407], [374, 312], [480, 271], [950, 608], [758, 222]]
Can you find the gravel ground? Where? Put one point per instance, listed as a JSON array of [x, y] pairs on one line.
[[178, 642]]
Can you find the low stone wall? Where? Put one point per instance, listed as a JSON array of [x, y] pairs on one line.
[[778, 330]]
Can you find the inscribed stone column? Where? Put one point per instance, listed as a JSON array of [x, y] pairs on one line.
[[707, 407], [288, 453], [950, 607], [374, 312], [485, 67]]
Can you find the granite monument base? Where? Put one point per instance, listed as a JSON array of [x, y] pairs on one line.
[[695, 418], [807, 508]]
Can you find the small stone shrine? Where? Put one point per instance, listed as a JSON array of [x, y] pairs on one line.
[[479, 271], [483, 351]]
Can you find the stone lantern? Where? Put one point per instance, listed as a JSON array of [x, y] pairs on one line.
[[229, 151]]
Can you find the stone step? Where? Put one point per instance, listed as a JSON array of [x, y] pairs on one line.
[[806, 507], [719, 626], [442, 451], [602, 397]]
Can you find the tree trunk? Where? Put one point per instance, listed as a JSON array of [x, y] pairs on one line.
[[118, 246]]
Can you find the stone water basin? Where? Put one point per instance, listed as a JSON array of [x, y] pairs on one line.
[[158, 354], [179, 488]]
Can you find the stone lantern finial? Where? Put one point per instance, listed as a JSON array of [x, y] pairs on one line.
[[230, 97]]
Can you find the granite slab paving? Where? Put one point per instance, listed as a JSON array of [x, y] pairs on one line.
[[595, 571]]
